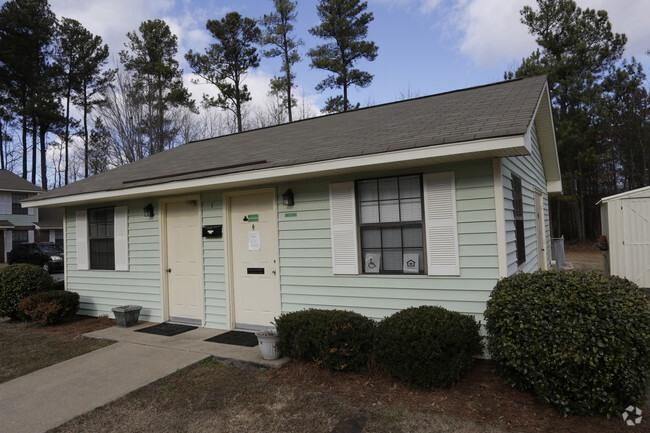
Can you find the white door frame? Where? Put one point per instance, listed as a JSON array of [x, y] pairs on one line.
[[164, 276], [230, 279]]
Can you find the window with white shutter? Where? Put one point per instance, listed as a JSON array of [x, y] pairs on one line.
[[102, 239], [406, 225]]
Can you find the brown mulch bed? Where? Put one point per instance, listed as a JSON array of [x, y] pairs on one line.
[[73, 328], [481, 396]]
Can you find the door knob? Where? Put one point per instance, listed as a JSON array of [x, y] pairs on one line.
[[169, 270]]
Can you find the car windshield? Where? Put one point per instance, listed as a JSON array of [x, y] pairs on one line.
[[50, 249]]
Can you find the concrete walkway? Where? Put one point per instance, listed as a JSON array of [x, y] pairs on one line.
[[49, 397]]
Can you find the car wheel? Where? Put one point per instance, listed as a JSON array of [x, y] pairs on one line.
[[46, 267]]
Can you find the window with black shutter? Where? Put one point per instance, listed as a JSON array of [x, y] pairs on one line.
[[518, 207]]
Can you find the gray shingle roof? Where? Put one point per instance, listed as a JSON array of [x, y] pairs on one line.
[[12, 182], [496, 110]]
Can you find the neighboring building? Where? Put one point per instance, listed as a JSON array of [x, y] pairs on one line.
[[424, 201], [625, 221], [19, 225]]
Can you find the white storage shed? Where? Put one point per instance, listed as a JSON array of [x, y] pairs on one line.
[[625, 220]]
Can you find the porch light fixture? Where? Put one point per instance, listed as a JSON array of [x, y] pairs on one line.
[[287, 198], [148, 211]]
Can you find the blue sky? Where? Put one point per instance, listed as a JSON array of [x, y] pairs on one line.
[[425, 46]]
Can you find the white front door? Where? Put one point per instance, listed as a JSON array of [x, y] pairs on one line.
[[254, 229], [184, 265]]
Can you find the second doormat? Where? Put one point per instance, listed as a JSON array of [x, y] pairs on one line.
[[236, 338], [166, 329]]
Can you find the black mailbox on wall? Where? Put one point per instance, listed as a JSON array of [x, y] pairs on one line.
[[213, 232]]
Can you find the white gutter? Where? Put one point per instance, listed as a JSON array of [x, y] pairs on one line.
[[494, 147]]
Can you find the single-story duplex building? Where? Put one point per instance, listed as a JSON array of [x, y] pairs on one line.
[[424, 201]]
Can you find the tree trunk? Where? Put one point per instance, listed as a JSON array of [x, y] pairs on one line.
[[85, 108], [43, 133], [34, 146], [24, 146], [2, 150], [66, 136]]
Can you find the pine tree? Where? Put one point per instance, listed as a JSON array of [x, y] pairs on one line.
[[158, 79], [577, 51], [226, 62], [278, 33], [345, 23]]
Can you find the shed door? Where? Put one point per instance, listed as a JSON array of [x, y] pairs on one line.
[[636, 241], [184, 262], [255, 259]]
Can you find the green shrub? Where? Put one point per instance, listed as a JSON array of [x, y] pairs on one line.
[[58, 285], [48, 308], [18, 282], [427, 347], [578, 340], [340, 340]]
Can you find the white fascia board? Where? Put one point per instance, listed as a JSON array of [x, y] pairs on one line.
[[554, 187], [488, 148], [634, 193]]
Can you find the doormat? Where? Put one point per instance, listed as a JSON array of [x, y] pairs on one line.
[[166, 329], [236, 338]]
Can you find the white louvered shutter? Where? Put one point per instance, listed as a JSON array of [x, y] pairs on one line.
[[441, 224], [30, 236], [343, 218], [83, 262], [121, 238]]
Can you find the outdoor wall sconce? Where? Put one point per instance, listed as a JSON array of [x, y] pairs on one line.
[[148, 211], [287, 198]]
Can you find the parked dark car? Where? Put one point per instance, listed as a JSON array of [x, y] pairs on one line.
[[48, 256]]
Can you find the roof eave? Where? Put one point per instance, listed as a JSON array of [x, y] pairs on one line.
[[543, 121], [421, 156]]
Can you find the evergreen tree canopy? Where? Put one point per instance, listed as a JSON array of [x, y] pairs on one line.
[[345, 23], [226, 62], [158, 78], [278, 34]]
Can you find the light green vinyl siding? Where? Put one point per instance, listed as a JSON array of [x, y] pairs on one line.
[[531, 171], [306, 256], [214, 277], [100, 291]]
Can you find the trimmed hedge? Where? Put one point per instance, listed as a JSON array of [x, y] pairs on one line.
[[340, 340], [578, 340], [48, 308], [17, 282], [427, 347]]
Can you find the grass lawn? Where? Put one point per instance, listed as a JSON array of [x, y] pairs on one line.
[[26, 347], [214, 397]]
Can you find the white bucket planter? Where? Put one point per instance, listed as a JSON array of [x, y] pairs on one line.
[[267, 341]]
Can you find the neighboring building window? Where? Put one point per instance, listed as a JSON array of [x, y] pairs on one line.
[[19, 237], [58, 237], [518, 208], [390, 225], [16, 208], [101, 238]]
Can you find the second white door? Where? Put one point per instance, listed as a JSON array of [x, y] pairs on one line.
[[254, 228]]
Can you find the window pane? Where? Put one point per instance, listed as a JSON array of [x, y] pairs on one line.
[[411, 209], [370, 237], [412, 236], [392, 260], [389, 211], [409, 187], [369, 212], [391, 237], [368, 190], [388, 188]]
